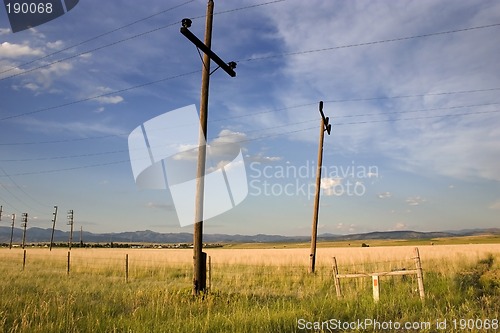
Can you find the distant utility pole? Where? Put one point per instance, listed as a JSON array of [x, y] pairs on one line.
[[81, 236], [199, 257], [325, 126], [70, 222], [24, 224], [12, 230], [54, 218], [1, 211]]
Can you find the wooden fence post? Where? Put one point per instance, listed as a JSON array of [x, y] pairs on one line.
[[126, 268], [420, 275], [376, 288], [336, 278]]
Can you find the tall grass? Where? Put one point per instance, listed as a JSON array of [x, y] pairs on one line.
[[252, 291]]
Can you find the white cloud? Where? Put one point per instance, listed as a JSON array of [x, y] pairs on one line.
[[495, 205], [328, 185], [167, 207], [222, 148], [400, 226], [8, 50], [75, 128], [415, 201], [31, 86], [263, 159], [384, 195], [45, 76], [59, 44], [445, 146], [4, 31], [109, 99]]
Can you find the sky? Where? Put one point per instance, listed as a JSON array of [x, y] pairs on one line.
[[411, 88]]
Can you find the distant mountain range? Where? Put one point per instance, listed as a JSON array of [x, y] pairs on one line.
[[38, 235]]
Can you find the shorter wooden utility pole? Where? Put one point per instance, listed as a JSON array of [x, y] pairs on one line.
[[324, 126], [70, 222], [24, 224], [12, 230], [54, 218]]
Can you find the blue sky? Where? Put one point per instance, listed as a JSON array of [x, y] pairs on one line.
[[415, 142]]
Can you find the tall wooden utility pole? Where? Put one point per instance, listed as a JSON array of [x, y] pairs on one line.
[[54, 218], [199, 257], [324, 126]]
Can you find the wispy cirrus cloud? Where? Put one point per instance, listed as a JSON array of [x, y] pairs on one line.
[[78, 128]]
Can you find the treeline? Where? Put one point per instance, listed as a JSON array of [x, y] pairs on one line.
[[114, 245]]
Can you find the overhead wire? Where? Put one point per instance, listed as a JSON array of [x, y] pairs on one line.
[[122, 40], [390, 40], [99, 96], [287, 132], [261, 58], [249, 59], [10, 205], [293, 107], [97, 37], [22, 190], [12, 194]]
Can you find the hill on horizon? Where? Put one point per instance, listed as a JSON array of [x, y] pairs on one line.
[[40, 235]]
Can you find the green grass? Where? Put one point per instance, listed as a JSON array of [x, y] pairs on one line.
[[94, 297]]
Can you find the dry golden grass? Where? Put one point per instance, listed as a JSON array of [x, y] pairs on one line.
[[272, 257], [252, 290]]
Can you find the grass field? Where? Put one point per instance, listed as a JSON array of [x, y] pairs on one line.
[[252, 290]]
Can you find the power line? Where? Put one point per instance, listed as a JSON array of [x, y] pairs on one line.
[[264, 112], [14, 207], [66, 169], [249, 59], [118, 41], [63, 140], [63, 157], [22, 190], [412, 111], [364, 99], [87, 52], [257, 139], [98, 36], [413, 96], [416, 118], [99, 96], [287, 54], [11, 193]]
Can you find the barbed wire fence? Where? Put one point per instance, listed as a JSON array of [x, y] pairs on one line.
[[134, 267]]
